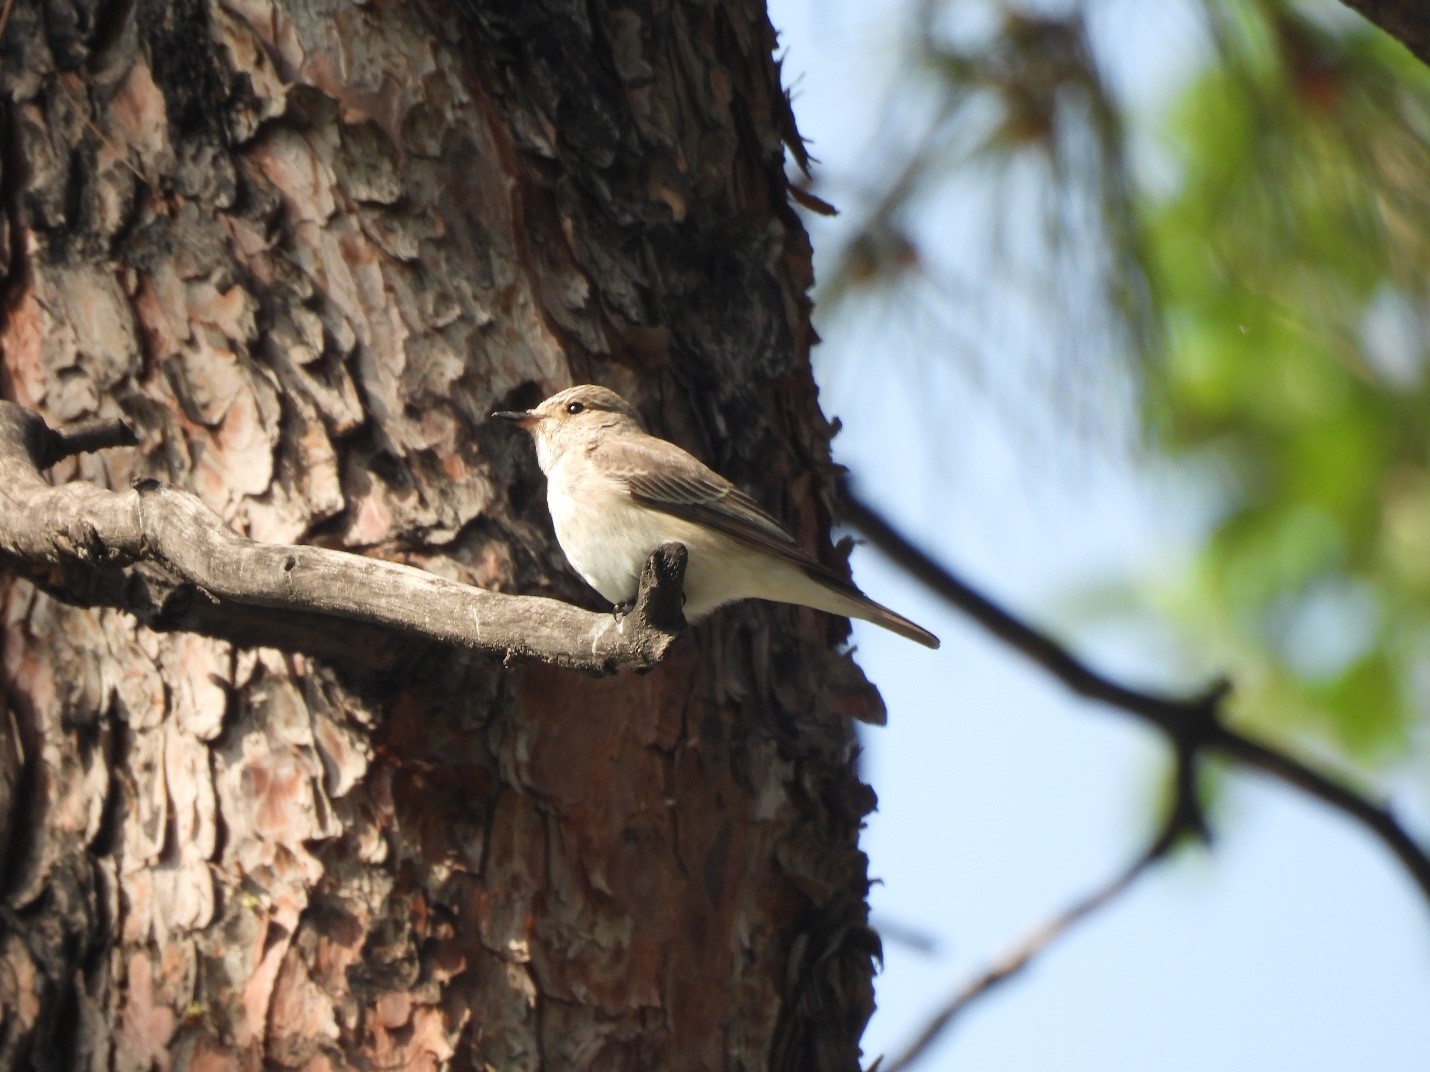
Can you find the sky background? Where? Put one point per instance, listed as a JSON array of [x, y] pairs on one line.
[[1298, 943]]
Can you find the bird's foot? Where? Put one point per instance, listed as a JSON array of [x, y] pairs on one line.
[[620, 610]]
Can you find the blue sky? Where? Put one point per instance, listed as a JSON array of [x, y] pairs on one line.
[[1297, 943]]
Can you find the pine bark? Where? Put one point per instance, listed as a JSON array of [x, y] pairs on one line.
[[304, 248]]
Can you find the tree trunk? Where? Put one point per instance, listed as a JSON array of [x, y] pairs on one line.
[[304, 249]]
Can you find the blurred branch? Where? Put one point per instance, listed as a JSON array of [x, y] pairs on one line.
[[1023, 107], [1404, 20], [1037, 941], [896, 932], [1192, 726]]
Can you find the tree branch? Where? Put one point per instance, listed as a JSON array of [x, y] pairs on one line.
[[1405, 20], [1191, 725], [1032, 945], [161, 552], [1184, 819]]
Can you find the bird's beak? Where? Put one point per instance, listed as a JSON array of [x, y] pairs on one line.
[[523, 418]]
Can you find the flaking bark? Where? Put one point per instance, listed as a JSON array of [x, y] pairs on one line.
[[303, 250]]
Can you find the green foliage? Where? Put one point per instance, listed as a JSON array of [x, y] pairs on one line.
[[1285, 281], [1293, 268]]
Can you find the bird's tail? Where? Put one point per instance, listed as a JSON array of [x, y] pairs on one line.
[[833, 593], [809, 583], [879, 614]]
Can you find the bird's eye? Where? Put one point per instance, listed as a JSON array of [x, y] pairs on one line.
[[574, 408]]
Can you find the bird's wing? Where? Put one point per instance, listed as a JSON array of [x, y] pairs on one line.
[[660, 475]]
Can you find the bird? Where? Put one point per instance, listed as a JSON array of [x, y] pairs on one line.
[[616, 493]]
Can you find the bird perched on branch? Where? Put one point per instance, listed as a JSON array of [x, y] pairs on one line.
[[617, 493]]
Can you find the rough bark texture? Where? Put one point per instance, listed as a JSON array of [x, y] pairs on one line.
[[304, 248]]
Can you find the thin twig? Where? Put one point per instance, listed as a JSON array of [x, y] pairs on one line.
[[1021, 955], [1185, 819], [1190, 724], [82, 438], [897, 932]]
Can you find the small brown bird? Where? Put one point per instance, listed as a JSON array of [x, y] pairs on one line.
[[617, 493]]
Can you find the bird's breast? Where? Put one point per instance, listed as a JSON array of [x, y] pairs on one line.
[[604, 536], [607, 537]]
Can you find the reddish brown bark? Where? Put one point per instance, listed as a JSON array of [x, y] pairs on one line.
[[304, 249]]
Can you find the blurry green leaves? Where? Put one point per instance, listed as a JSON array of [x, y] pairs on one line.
[[1002, 121], [1293, 268], [1273, 293]]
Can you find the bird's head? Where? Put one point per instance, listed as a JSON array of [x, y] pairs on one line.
[[571, 418]]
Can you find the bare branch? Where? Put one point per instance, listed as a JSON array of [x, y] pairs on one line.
[[1021, 955], [57, 443], [897, 932], [1192, 725], [1184, 819], [99, 547]]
